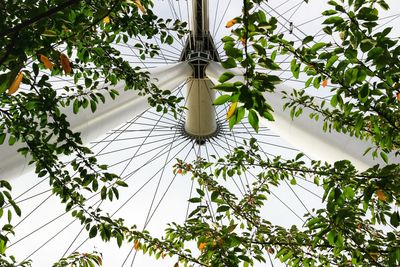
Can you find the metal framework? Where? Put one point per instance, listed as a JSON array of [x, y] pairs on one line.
[[199, 50]]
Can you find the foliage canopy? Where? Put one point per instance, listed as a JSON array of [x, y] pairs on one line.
[[38, 38]]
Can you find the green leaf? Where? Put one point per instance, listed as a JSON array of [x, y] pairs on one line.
[[226, 87], [317, 47], [348, 192], [329, 12], [240, 112], [169, 40], [308, 39], [374, 53], [395, 219], [383, 5], [222, 99], [333, 20], [11, 140], [368, 14], [214, 196], [253, 120], [317, 82], [103, 193], [223, 208], [16, 208], [269, 64], [334, 101], [308, 82], [384, 156], [76, 106], [268, 116], [331, 61], [2, 138], [226, 76], [3, 246], [200, 192], [364, 93], [93, 231], [295, 68], [229, 63], [195, 200], [312, 222], [93, 105], [88, 82], [121, 183], [273, 55], [331, 237]]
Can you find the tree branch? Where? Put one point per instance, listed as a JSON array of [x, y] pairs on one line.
[[39, 17]]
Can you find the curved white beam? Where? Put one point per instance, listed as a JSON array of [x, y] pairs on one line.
[[127, 105], [108, 116], [306, 134]]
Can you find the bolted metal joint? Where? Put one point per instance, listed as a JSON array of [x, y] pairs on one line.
[[199, 61]]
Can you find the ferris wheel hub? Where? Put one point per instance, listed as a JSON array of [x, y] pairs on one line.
[[200, 116], [198, 52]]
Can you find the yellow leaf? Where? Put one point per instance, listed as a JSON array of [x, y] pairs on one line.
[[231, 110], [46, 61], [139, 5], [106, 20], [324, 83], [136, 244], [65, 64], [49, 33], [100, 260], [381, 195], [231, 23], [202, 246], [189, 167], [374, 255], [16, 83], [398, 97], [342, 35], [219, 241]]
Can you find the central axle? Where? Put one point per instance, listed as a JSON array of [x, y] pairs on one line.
[[199, 50]]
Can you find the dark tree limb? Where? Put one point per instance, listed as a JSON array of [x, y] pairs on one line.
[[33, 20]]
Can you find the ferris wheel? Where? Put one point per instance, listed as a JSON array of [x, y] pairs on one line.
[[141, 145]]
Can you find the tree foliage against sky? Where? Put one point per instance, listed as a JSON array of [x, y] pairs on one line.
[[359, 224], [75, 39]]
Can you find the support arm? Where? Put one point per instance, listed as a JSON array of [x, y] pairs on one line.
[[306, 134], [107, 117]]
